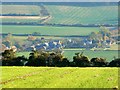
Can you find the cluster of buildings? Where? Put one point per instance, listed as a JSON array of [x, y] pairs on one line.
[[54, 45], [89, 43]]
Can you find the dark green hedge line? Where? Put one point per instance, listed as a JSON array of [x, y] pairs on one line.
[[52, 59]]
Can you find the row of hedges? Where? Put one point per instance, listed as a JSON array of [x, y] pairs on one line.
[[55, 60]]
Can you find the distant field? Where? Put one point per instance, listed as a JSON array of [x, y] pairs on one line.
[[49, 77], [45, 37], [20, 9], [82, 15], [48, 30], [108, 55], [26, 54], [22, 19], [19, 20], [64, 14]]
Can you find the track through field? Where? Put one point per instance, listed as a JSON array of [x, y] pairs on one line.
[[25, 76]]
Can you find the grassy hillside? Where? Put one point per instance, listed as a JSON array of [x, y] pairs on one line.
[[19, 20], [49, 77], [65, 14], [48, 30], [82, 15], [20, 9]]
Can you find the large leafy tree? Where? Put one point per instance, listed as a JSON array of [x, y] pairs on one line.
[[7, 57], [8, 54], [81, 60]]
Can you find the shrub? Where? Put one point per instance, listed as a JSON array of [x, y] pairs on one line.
[[115, 63], [99, 62], [81, 60], [64, 62]]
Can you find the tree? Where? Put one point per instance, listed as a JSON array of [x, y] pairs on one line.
[[7, 43], [81, 60], [34, 54], [65, 62], [99, 62], [36, 33], [7, 57], [37, 58], [19, 61], [18, 44], [105, 31], [115, 63], [8, 54], [93, 35], [33, 58]]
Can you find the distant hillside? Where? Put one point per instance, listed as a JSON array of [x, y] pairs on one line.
[[24, 10], [63, 13], [82, 15], [84, 4], [23, 14]]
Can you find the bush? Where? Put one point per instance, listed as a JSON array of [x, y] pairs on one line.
[[115, 63], [98, 62], [65, 62], [81, 60]]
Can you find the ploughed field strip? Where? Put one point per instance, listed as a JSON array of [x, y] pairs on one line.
[[54, 77]]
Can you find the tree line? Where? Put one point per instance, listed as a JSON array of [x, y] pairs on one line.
[[53, 59]]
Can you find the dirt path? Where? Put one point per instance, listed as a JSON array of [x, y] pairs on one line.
[[47, 19], [25, 76], [20, 17], [23, 17]]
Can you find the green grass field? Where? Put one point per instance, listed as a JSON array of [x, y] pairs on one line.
[[53, 77], [108, 55], [63, 14], [49, 30], [14, 20], [82, 15], [21, 9]]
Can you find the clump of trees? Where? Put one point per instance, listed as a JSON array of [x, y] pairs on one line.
[[80, 60], [53, 59], [99, 62], [9, 59], [115, 63]]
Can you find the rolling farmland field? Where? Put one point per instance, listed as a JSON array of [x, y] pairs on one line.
[[21, 9], [48, 30], [19, 20], [21, 14], [63, 20], [53, 77], [82, 15], [63, 14]]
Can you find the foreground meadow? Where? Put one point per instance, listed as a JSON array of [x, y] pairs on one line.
[[54, 77]]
